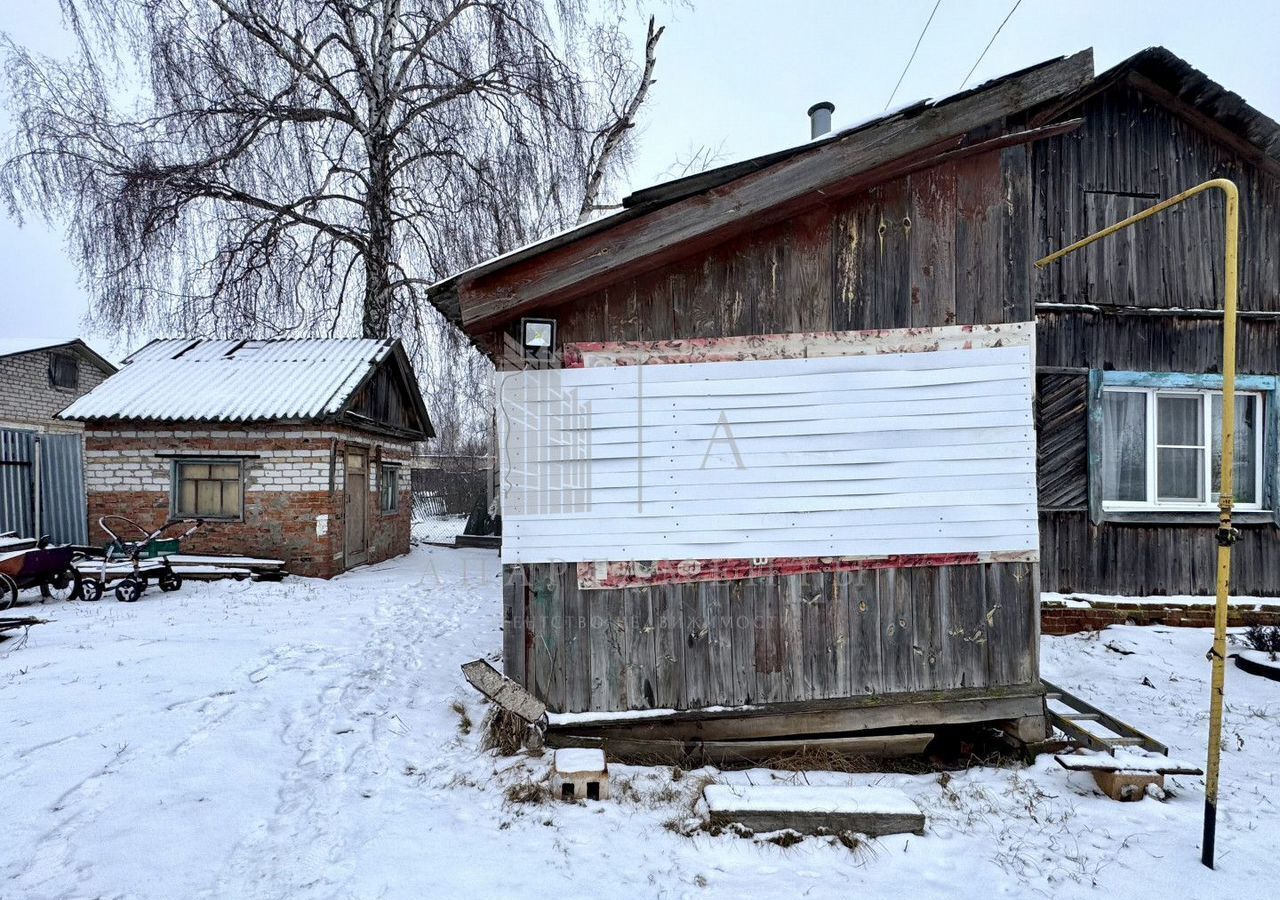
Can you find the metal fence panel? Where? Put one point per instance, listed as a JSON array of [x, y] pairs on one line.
[[17, 453], [63, 506]]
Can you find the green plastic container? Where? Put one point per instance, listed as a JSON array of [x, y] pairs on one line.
[[161, 547]]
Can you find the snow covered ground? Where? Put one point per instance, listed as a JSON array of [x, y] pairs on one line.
[[299, 740]]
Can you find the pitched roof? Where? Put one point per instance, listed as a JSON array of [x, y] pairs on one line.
[[1156, 70], [1162, 69], [18, 346], [666, 217], [186, 380]]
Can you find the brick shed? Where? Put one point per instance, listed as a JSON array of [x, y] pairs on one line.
[[293, 449]]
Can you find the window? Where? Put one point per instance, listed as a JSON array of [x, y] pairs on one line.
[[64, 370], [389, 487], [208, 488], [1160, 448]]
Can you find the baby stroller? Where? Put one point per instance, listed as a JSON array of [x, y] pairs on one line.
[[133, 559]]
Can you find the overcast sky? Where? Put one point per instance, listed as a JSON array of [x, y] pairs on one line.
[[738, 75]]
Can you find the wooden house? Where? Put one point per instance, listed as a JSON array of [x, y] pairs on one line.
[[803, 297], [291, 449]]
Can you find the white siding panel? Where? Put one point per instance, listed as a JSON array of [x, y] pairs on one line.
[[894, 453]]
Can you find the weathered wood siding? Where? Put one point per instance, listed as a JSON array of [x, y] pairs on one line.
[[1131, 150], [800, 637], [948, 245]]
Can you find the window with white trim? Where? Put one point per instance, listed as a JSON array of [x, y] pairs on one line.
[[1160, 448]]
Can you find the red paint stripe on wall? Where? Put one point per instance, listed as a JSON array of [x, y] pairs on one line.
[[611, 575]]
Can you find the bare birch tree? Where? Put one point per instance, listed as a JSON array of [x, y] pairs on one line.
[[279, 167]]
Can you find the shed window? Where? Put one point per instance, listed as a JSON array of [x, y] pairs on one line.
[[64, 370], [208, 488], [1160, 448], [389, 487]]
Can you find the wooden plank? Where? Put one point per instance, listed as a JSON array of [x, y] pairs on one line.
[[639, 682], [931, 240], [863, 589], [809, 810], [503, 691], [815, 630], [641, 242], [743, 616], [839, 649], [615, 643], [668, 646], [846, 715], [926, 628], [967, 627], [601, 692], [738, 754], [546, 664], [696, 685], [513, 625], [720, 642], [576, 620], [767, 593], [791, 643]]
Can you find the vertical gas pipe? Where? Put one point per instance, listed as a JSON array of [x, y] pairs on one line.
[[1226, 532]]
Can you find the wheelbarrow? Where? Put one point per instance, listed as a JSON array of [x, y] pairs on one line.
[[133, 557], [48, 568]]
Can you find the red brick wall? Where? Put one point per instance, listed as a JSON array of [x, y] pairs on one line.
[[293, 480], [1069, 620]]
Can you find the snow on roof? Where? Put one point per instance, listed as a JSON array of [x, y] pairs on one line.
[[233, 381], [14, 346]]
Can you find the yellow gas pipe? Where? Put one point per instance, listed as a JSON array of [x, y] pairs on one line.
[[1226, 533]]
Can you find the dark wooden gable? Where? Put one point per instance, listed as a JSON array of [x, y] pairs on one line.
[[389, 400]]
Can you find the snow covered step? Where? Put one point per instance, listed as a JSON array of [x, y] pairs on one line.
[[872, 811]]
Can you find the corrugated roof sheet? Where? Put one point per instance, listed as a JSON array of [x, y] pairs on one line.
[[233, 381]]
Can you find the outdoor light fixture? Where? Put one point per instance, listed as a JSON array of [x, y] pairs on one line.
[[538, 336]]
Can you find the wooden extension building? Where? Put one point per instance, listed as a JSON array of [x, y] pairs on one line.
[[768, 439]]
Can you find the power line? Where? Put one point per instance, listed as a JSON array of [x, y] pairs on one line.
[[989, 43], [913, 55]]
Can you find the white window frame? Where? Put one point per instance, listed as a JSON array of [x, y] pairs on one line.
[[1152, 503]]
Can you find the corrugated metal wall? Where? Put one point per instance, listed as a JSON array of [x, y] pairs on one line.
[[63, 503], [17, 450], [62, 491]]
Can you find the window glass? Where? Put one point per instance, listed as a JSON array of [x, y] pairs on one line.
[[389, 487], [1124, 441], [1160, 448], [64, 370], [1245, 474], [207, 489]]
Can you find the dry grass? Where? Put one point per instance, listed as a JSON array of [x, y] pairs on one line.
[[464, 718], [502, 731], [535, 793]]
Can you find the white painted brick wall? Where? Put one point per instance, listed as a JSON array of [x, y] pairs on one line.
[[27, 398]]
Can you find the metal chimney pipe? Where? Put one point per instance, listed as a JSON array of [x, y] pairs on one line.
[[820, 118]]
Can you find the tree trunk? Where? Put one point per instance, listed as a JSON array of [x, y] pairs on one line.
[[379, 259]]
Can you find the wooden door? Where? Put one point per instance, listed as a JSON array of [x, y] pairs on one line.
[[357, 546]]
